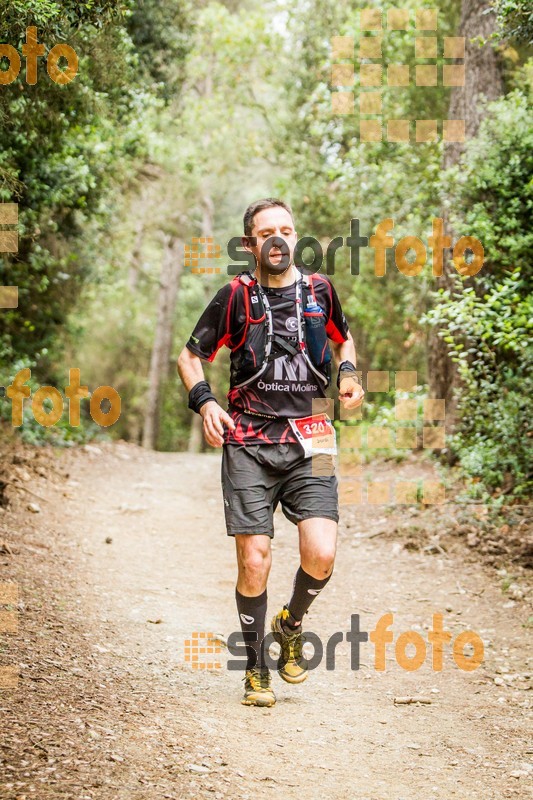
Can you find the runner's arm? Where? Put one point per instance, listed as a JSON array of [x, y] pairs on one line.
[[344, 351], [350, 392], [209, 334], [190, 368], [191, 372]]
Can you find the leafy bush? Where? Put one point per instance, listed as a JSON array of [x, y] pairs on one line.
[[62, 434], [488, 339], [379, 411], [515, 19], [64, 151], [489, 194], [486, 320]]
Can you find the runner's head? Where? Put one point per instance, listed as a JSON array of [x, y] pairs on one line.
[[264, 220]]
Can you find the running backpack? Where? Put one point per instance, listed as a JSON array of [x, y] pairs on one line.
[[259, 345]]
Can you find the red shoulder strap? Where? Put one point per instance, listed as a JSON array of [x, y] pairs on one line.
[[239, 281]]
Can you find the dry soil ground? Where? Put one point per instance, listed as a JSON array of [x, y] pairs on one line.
[[122, 559]]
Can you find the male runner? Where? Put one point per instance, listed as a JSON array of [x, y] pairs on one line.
[[266, 460]]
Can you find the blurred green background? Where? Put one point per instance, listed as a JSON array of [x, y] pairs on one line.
[[183, 113]]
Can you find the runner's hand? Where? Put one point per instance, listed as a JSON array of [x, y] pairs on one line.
[[350, 393], [214, 419]]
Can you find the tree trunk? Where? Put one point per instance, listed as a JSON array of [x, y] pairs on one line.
[[196, 439], [483, 81], [160, 360], [196, 433], [135, 262], [149, 179]]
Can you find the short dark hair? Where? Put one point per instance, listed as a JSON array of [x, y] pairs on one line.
[[259, 205]]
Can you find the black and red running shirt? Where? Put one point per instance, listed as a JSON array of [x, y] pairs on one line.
[[287, 387]]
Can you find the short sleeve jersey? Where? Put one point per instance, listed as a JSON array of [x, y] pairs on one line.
[[287, 387]]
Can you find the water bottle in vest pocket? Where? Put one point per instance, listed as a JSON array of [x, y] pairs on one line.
[[316, 338]]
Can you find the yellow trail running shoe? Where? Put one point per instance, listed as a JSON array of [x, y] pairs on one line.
[[292, 665], [257, 688]]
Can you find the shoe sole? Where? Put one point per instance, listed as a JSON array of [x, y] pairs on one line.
[[289, 679], [259, 703]]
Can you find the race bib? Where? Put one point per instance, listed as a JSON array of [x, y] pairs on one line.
[[316, 434]]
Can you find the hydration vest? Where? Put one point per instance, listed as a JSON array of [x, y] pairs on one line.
[[259, 345]]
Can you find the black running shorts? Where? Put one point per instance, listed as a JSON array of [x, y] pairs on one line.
[[255, 478]]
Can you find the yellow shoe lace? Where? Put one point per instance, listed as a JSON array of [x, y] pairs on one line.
[[291, 643], [258, 680]]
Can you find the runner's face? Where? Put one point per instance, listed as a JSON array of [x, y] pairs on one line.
[[268, 223]]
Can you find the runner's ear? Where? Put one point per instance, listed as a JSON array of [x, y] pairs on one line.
[[248, 242]]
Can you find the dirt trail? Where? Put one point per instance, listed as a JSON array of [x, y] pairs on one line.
[[108, 708]]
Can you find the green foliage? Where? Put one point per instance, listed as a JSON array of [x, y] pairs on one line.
[[180, 115], [204, 145], [487, 325], [490, 193], [56, 20], [330, 176], [62, 434], [64, 150], [174, 433], [489, 338], [515, 19], [160, 31], [380, 412]]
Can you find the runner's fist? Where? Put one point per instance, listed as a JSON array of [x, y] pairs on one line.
[[350, 393], [214, 419]]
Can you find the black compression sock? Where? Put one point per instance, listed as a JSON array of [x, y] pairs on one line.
[[291, 624], [252, 614], [304, 591]]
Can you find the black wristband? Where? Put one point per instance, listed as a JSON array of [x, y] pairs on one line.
[[199, 395], [347, 370]]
